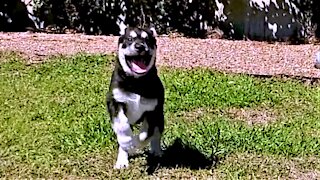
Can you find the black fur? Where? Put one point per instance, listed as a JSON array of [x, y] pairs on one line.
[[148, 86]]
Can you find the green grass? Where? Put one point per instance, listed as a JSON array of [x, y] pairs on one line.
[[53, 123]]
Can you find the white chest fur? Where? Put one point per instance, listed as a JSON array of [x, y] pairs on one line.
[[136, 104]]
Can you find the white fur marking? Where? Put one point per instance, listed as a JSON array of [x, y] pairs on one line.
[[122, 160], [133, 34], [143, 136], [144, 34], [144, 131], [123, 131], [136, 104], [122, 59]]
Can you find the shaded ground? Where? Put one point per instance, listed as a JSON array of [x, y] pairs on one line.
[[250, 57]]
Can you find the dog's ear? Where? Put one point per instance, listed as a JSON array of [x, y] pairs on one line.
[[120, 40], [152, 29]]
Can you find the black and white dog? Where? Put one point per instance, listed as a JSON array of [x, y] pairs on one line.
[[136, 94]]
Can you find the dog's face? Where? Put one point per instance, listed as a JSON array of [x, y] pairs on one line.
[[137, 51]]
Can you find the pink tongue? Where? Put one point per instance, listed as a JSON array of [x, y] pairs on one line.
[[138, 66]]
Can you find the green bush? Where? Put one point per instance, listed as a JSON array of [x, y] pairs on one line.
[[194, 18]]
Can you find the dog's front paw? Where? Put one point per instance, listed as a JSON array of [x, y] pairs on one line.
[[121, 164], [122, 160]]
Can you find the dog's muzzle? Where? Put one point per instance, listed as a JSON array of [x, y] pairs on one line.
[[139, 63], [141, 48]]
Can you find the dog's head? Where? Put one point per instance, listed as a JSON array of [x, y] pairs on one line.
[[137, 50]]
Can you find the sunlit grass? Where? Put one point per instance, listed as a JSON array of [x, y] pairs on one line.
[[53, 121]]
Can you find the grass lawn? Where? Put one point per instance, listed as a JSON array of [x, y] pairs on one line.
[[53, 124]]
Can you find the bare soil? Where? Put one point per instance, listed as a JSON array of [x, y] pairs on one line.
[[253, 116], [249, 57]]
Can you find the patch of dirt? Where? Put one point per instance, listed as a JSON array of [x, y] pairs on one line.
[[273, 167], [249, 57], [252, 116], [299, 175], [196, 113], [248, 115]]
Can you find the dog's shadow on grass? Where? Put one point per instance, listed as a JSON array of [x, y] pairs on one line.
[[179, 155]]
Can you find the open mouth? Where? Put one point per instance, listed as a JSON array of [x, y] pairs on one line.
[[138, 64]]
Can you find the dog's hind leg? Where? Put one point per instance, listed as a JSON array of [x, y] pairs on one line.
[[154, 139], [156, 143], [156, 126]]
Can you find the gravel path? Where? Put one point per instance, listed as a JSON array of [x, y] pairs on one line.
[[249, 57]]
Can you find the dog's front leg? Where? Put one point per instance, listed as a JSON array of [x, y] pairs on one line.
[[127, 142], [122, 159]]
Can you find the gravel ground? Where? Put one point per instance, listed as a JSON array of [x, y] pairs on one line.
[[249, 57]]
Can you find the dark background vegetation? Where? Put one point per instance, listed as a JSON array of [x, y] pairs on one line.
[[100, 16]]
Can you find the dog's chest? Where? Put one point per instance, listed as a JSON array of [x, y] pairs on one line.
[[136, 104]]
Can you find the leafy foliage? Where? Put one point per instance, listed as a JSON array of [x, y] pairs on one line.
[[190, 17]]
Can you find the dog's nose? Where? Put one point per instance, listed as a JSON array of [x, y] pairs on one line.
[[139, 46]]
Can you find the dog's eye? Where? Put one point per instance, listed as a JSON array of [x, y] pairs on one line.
[[130, 39]]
